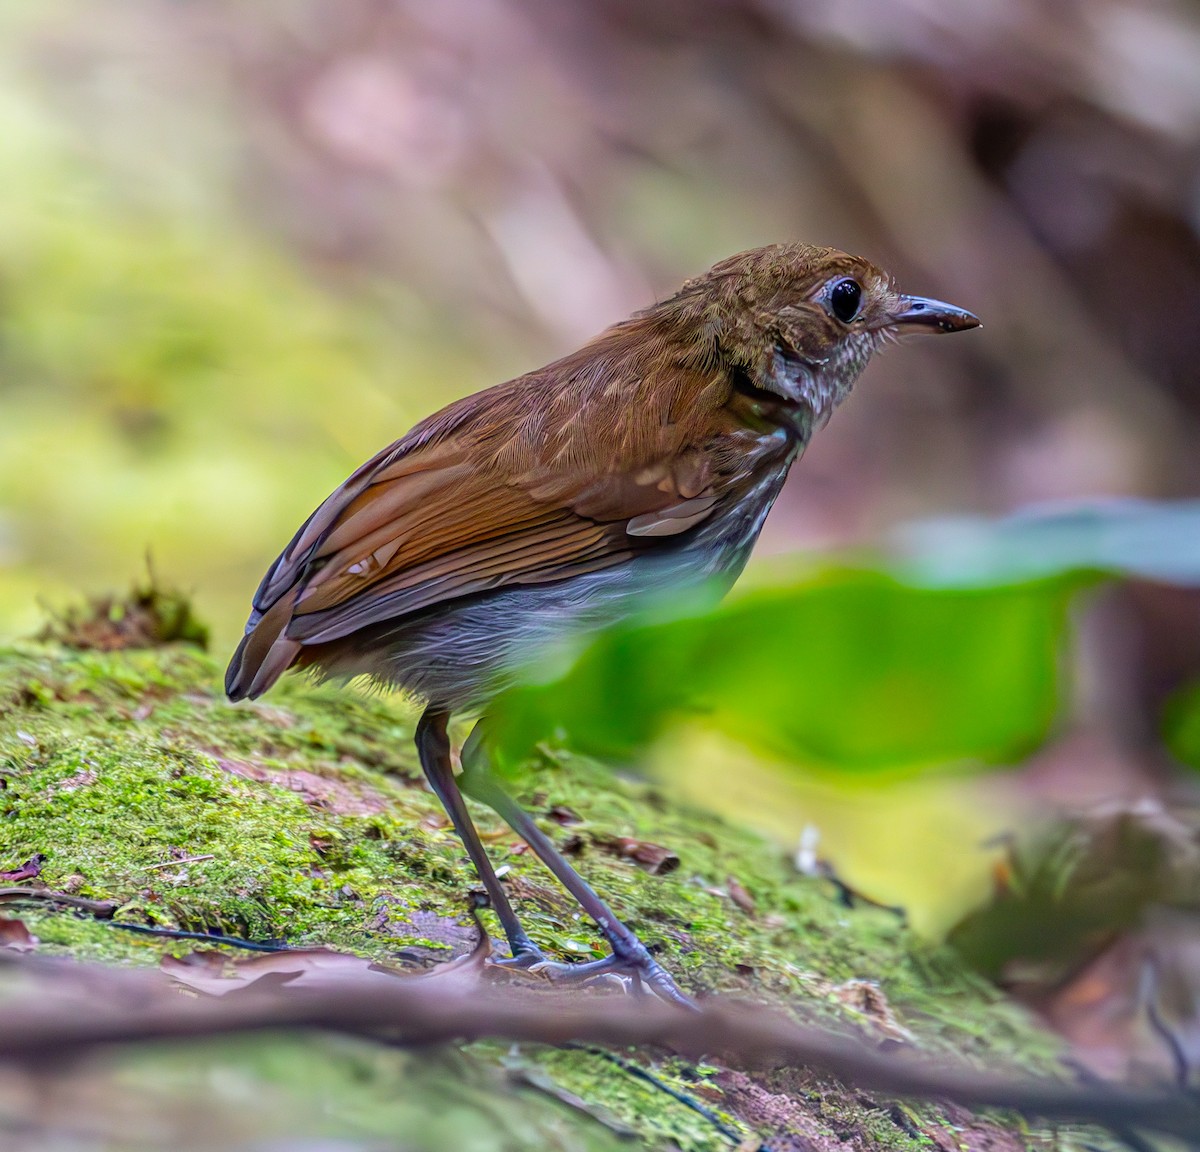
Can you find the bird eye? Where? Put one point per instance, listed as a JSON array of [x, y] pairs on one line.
[[844, 299]]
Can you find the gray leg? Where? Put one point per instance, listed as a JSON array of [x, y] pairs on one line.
[[433, 750], [628, 950]]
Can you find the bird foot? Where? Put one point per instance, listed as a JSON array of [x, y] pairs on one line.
[[635, 973]]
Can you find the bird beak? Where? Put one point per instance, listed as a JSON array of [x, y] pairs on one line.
[[933, 315]]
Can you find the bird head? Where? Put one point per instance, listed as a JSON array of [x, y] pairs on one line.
[[803, 321]]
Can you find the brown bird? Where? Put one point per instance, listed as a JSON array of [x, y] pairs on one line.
[[646, 460]]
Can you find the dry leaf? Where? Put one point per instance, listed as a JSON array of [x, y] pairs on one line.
[[739, 895], [31, 869], [14, 935], [656, 859]]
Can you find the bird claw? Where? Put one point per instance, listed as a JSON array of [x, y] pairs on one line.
[[525, 960], [634, 974]]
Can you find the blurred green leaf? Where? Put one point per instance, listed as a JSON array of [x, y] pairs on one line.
[[1142, 538], [852, 670], [1181, 725]]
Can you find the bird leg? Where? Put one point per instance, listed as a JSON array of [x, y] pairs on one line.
[[629, 954], [433, 750]]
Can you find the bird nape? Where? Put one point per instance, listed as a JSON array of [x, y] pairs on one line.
[[648, 459]]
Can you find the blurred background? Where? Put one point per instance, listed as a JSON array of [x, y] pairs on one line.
[[244, 246]]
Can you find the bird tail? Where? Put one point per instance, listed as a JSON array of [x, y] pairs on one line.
[[265, 652]]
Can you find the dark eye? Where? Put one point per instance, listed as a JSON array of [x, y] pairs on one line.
[[844, 299]]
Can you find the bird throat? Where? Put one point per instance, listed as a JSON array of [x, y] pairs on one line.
[[818, 385], [796, 394]]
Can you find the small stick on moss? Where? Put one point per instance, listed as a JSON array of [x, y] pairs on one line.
[[103, 909], [640, 1073], [181, 860], [206, 937]]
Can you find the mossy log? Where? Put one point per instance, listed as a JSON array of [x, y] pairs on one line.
[[304, 819]]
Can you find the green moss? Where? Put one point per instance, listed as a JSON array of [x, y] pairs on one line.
[[304, 819], [329, 1093], [635, 1102]]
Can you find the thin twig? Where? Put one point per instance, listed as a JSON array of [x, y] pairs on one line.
[[206, 937], [181, 860], [636, 1070], [539, 1081], [101, 908], [1148, 993]]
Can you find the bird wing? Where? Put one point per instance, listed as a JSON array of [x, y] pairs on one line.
[[453, 510]]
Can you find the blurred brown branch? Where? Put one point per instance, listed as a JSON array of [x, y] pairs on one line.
[[66, 1010]]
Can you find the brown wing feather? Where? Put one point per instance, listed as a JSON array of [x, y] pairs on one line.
[[481, 496], [473, 532]]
